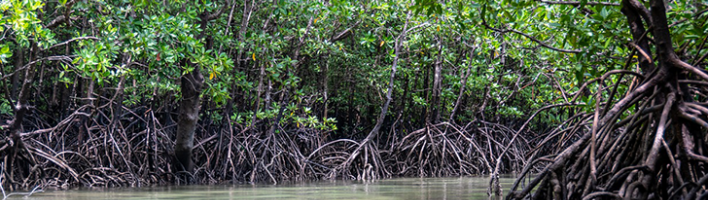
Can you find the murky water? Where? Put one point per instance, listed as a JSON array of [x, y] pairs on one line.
[[400, 188]]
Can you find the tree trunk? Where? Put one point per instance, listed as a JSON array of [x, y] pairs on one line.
[[191, 87], [22, 105], [638, 33], [437, 86], [426, 88], [19, 63]]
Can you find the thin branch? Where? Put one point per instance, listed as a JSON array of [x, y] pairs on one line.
[[56, 22], [344, 33], [413, 28], [641, 51], [52, 58], [74, 39], [543, 44], [701, 59]]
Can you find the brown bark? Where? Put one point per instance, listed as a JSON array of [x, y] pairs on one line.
[[22, 105], [191, 86], [437, 85], [638, 35], [463, 85], [19, 63], [657, 150], [426, 94]]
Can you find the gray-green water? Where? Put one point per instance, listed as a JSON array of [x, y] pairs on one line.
[[400, 188]]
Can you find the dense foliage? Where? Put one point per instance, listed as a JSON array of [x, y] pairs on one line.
[[134, 92]]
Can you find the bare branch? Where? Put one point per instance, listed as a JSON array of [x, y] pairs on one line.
[[641, 51], [344, 33], [56, 22], [52, 58], [74, 39]]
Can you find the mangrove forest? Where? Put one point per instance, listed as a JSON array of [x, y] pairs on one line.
[[586, 99]]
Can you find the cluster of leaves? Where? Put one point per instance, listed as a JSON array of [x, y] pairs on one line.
[[327, 64]]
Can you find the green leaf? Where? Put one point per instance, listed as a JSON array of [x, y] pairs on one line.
[[604, 13]]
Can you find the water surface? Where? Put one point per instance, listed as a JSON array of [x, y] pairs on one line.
[[399, 188]]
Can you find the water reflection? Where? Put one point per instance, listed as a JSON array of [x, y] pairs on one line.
[[401, 188]]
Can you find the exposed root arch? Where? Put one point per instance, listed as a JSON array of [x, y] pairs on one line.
[[451, 150], [653, 151]]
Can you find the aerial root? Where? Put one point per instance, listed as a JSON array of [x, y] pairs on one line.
[[450, 150], [89, 148], [643, 143]]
